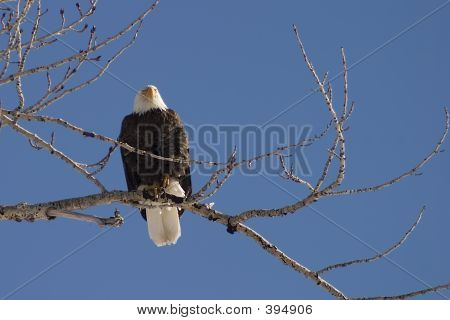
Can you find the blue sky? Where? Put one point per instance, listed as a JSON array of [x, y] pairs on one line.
[[237, 62]]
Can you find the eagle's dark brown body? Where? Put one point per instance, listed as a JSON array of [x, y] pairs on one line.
[[162, 133]]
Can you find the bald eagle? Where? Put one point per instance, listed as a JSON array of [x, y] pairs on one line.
[[155, 128]]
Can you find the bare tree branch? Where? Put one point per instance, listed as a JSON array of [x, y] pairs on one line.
[[289, 174], [378, 255], [115, 221], [62, 209], [326, 167], [280, 255], [409, 294], [65, 208], [329, 103], [85, 83], [409, 173], [101, 164], [46, 145], [33, 212], [344, 63], [78, 56]]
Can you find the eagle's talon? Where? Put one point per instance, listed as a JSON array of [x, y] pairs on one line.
[[165, 182], [231, 226], [151, 192]]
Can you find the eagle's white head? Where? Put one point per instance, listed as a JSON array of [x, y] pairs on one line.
[[148, 99]]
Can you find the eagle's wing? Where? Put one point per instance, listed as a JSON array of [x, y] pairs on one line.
[[186, 184], [128, 135], [175, 138], [175, 145]]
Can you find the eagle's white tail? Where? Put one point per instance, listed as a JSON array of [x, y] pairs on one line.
[[164, 223]]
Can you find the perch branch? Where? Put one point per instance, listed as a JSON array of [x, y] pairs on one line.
[[65, 208]]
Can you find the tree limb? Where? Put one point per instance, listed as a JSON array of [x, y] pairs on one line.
[[408, 295], [378, 255]]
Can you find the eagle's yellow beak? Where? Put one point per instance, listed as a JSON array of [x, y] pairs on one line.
[[148, 93]]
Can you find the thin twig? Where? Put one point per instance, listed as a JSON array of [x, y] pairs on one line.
[[115, 221], [329, 103], [77, 56], [344, 63], [411, 172], [42, 143], [378, 255], [289, 174], [288, 261], [101, 164], [326, 167], [407, 295], [85, 83]]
